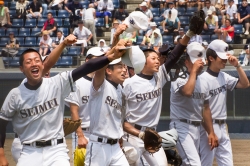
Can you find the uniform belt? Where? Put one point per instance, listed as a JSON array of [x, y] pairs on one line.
[[44, 143], [16, 136], [195, 123], [85, 129], [142, 128], [103, 140], [219, 121]]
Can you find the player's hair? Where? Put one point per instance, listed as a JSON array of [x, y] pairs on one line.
[[111, 67], [25, 52], [208, 1], [146, 53], [211, 53], [90, 56]]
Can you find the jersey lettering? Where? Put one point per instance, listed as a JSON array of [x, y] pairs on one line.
[[214, 92], [39, 109], [197, 95], [113, 103], [149, 95], [85, 99]]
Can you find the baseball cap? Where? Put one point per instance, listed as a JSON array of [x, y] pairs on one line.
[[205, 43], [209, 12], [152, 24], [136, 21], [115, 61], [220, 47], [144, 4], [95, 51], [196, 51], [1, 2], [134, 57]]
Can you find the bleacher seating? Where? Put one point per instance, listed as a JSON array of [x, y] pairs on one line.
[[41, 22], [64, 30], [238, 29], [65, 61], [63, 14], [12, 13], [21, 41], [2, 32], [24, 32], [66, 22], [116, 4], [85, 4], [14, 30], [155, 12], [6, 60], [12, 5], [34, 31], [190, 11], [14, 62], [17, 23], [206, 38], [74, 51], [167, 39], [184, 20], [59, 22], [139, 40], [181, 11], [52, 11], [213, 37], [100, 22], [4, 41], [158, 20], [30, 23], [30, 41]]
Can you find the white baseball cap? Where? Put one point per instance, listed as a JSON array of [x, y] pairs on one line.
[[220, 47], [152, 24], [144, 4], [209, 12], [134, 57], [115, 61], [196, 51], [95, 51], [136, 21]]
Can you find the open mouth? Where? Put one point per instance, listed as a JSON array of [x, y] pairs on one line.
[[35, 72]]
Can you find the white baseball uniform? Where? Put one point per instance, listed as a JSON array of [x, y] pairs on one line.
[[217, 84], [143, 107], [37, 116], [187, 109], [105, 107], [81, 97]]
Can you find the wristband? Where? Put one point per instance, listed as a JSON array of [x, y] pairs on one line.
[[141, 135], [239, 65], [190, 34]]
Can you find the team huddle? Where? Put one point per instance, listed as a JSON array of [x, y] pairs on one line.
[[117, 106]]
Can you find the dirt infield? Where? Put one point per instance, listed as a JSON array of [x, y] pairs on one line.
[[241, 152]]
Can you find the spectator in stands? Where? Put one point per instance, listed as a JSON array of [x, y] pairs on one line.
[[82, 33], [115, 26], [129, 35], [196, 38], [211, 22], [181, 34], [171, 24], [182, 3], [230, 12], [45, 44], [120, 14], [89, 21], [204, 44], [156, 3], [21, 7], [102, 44], [35, 10], [4, 16], [244, 16], [105, 7], [11, 46], [50, 25], [171, 8], [71, 8], [208, 7], [200, 4], [146, 11], [59, 39], [146, 38], [226, 33], [156, 40]]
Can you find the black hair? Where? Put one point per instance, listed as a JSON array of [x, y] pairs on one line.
[[50, 13], [170, 12], [244, 0], [121, 7], [227, 19], [59, 31], [90, 56], [211, 53], [111, 67], [25, 52], [208, 1], [137, 9]]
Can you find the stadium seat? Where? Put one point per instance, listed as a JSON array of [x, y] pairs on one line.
[[74, 51], [162, 11], [139, 40], [21, 41], [41, 22], [65, 61], [17, 23], [30, 41], [24, 32], [64, 30], [155, 12], [34, 31], [100, 22], [21, 50], [6, 61], [190, 11], [2, 32], [66, 22], [14, 30], [184, 20], [6, 4], [12, 13], [181, 11], [116, 4], [206, 38], [30, 23], [158, 20], [59, 22], [4, 41], [167, 39], [52, 11], [12, 5], [238, 29], [63, 14], [85, 4], [213, 37], [14, 62]]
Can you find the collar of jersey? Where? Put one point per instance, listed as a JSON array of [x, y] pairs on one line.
[[113, 83], [147, 77], [30, 87], [88, 78], [212, 72]]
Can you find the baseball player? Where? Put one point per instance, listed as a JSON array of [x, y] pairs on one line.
[[188, 97], [36, 111], [217, 83], [78, 104]]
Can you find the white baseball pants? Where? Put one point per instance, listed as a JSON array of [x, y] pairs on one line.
[[16, 149]]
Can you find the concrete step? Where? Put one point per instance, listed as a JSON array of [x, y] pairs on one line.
[[134, 1], [107, 33], [131, 7]]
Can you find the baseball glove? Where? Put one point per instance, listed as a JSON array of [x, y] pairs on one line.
[[152, 141], [69, 126], [196, 22]]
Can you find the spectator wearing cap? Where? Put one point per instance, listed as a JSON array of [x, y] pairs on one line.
[[11, 46], [196, 38], [146, 11], [231, 12], [243, 16], [171, 8], [226, 33], [21, 7], [208, 7], [155, 40], [171, 24], [45, 44], [204, 44], [105, 7], [113, 30], [146, 38], [71, 8], [35, 10], [4, 16], [59, 39], [180, 36], [82, 33], [103, 46], [211, 22], [120, 14], [89, 21], [50, 25]]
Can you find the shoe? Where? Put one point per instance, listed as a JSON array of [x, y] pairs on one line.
[[246, 33], [107, 25]]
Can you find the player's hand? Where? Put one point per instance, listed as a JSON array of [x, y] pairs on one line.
[[120, 29], [232, 60], [197, 66], [82, 142], [3, 161], [213, 140], [71, 39]]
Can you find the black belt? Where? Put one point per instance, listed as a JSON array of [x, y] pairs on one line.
[[85, 129], [109, 141], [138, 127], [45, 143], [195, 123], [16, 136], [220, 121]]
